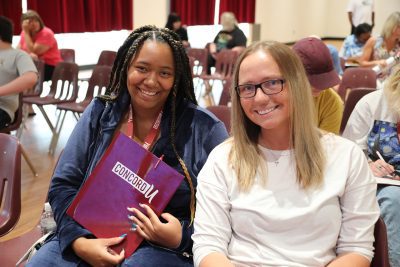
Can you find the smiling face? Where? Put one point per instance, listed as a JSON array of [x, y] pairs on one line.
[[270, 112], [151, 76]]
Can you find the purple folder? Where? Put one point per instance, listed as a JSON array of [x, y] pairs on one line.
[[125, 176]]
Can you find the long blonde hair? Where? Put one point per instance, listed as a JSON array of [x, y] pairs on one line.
[[392, 91], [245, 155]]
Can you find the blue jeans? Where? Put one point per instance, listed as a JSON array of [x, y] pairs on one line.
[[389, 203], [50, 255]]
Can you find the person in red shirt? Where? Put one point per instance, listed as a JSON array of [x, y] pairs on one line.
[[39, 41]]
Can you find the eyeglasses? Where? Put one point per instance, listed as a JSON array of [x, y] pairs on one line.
[[270, 87]]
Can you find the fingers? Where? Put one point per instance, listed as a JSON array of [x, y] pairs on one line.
[[114, 258], [150, 213], [148, 220], [381, 168], [114, 240], [169, 217]]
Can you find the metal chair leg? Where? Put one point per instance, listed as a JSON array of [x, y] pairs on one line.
[[28, 161]]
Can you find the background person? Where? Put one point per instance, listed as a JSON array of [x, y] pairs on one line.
[[230, 37], [174, 23], [281, 192], [17, 73], [39, 41], [378, 49], [322, 76], [373, 126], [360, 11], [150, 74], [352, 47]]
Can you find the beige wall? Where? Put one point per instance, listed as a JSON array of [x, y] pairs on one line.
[[154, 12], [290, 20]]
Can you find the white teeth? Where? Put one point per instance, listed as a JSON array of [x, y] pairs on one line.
[[148, 92], [263, 112]]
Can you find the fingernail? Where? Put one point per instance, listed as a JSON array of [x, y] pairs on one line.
[[123, 235], [130, 217], [134, 225], [142, 205], [130, 209]]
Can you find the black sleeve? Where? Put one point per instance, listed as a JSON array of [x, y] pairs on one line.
[[239, 39]]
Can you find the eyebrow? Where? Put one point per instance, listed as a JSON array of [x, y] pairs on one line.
[[263, 80], [147, 64]]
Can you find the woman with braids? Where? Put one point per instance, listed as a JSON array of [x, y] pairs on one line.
[[281, 192], [151, 74]]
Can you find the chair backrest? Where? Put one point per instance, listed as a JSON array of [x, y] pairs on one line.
[[14, 125], [107, 58], [64, 82], [68, 54], [10, 182], [224, 62], [226, 92], [201, 56], [223, 113], [381, 255], [38, 88], [100, 78], [355, 78], [354, 96]]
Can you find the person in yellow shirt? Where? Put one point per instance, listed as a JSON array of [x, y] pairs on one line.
[[322, 76]]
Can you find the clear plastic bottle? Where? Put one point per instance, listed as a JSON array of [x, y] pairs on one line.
[[390, 62], [47, 223]]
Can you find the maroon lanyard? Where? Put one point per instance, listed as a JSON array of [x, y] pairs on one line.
[[151, 136]]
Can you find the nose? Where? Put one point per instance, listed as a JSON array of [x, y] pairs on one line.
[[260, 95], [151, 79]]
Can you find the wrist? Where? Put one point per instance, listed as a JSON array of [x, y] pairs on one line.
[[78, 244]]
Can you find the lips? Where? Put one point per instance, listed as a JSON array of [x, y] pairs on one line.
[[266, 111]]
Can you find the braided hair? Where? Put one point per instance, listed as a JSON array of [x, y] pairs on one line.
[[182, 87]]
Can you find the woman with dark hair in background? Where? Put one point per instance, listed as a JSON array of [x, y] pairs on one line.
[[174, 23]]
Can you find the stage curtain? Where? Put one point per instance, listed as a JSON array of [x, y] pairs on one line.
[[194, 12], [63, 16], [244, 10], [13, 11]]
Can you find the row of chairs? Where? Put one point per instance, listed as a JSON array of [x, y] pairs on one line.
[[64, 90]]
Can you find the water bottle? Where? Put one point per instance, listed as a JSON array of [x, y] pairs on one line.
[[390, 62], [47, 223]]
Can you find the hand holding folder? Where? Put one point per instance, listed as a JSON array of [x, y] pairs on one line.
[[125, 176]]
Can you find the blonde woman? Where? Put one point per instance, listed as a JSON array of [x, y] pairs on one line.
[[373, 125], [280, 192], [378, 49], [230, 37]]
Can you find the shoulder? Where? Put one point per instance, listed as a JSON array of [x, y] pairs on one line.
[[350, 39], [372, 41], [330, 95], [202, 115], [220, 152], [46, 33], [94, 110], [371, 99], [335, 144]]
